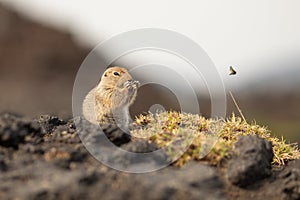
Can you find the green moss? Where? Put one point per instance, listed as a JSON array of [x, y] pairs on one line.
[[207, 140]]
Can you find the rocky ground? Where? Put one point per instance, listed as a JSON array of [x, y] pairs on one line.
[[45, 159]]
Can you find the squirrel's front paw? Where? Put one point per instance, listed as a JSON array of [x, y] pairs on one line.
[[132, 84]]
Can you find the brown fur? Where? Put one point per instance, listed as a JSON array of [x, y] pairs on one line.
[[113, 95]]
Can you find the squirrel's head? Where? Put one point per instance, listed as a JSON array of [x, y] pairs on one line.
[[115, 76]]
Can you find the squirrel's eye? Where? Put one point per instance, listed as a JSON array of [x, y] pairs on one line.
[[116, 74]]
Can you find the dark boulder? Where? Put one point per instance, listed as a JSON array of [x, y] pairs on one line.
[[252, 161]]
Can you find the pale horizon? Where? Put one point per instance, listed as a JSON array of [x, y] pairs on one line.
[[257, 38]]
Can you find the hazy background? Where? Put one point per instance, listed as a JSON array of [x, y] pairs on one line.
[[42, 44]]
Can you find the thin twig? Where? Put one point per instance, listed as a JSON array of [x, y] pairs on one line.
[[237, 106]]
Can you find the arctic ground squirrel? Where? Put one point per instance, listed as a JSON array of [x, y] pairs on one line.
[[109, 101]]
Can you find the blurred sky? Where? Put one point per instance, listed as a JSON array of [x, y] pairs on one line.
[[257, 37]]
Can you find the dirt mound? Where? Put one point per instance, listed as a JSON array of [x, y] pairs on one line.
[[45, 159]]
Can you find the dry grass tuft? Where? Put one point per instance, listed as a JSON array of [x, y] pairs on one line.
[[208, 140]]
